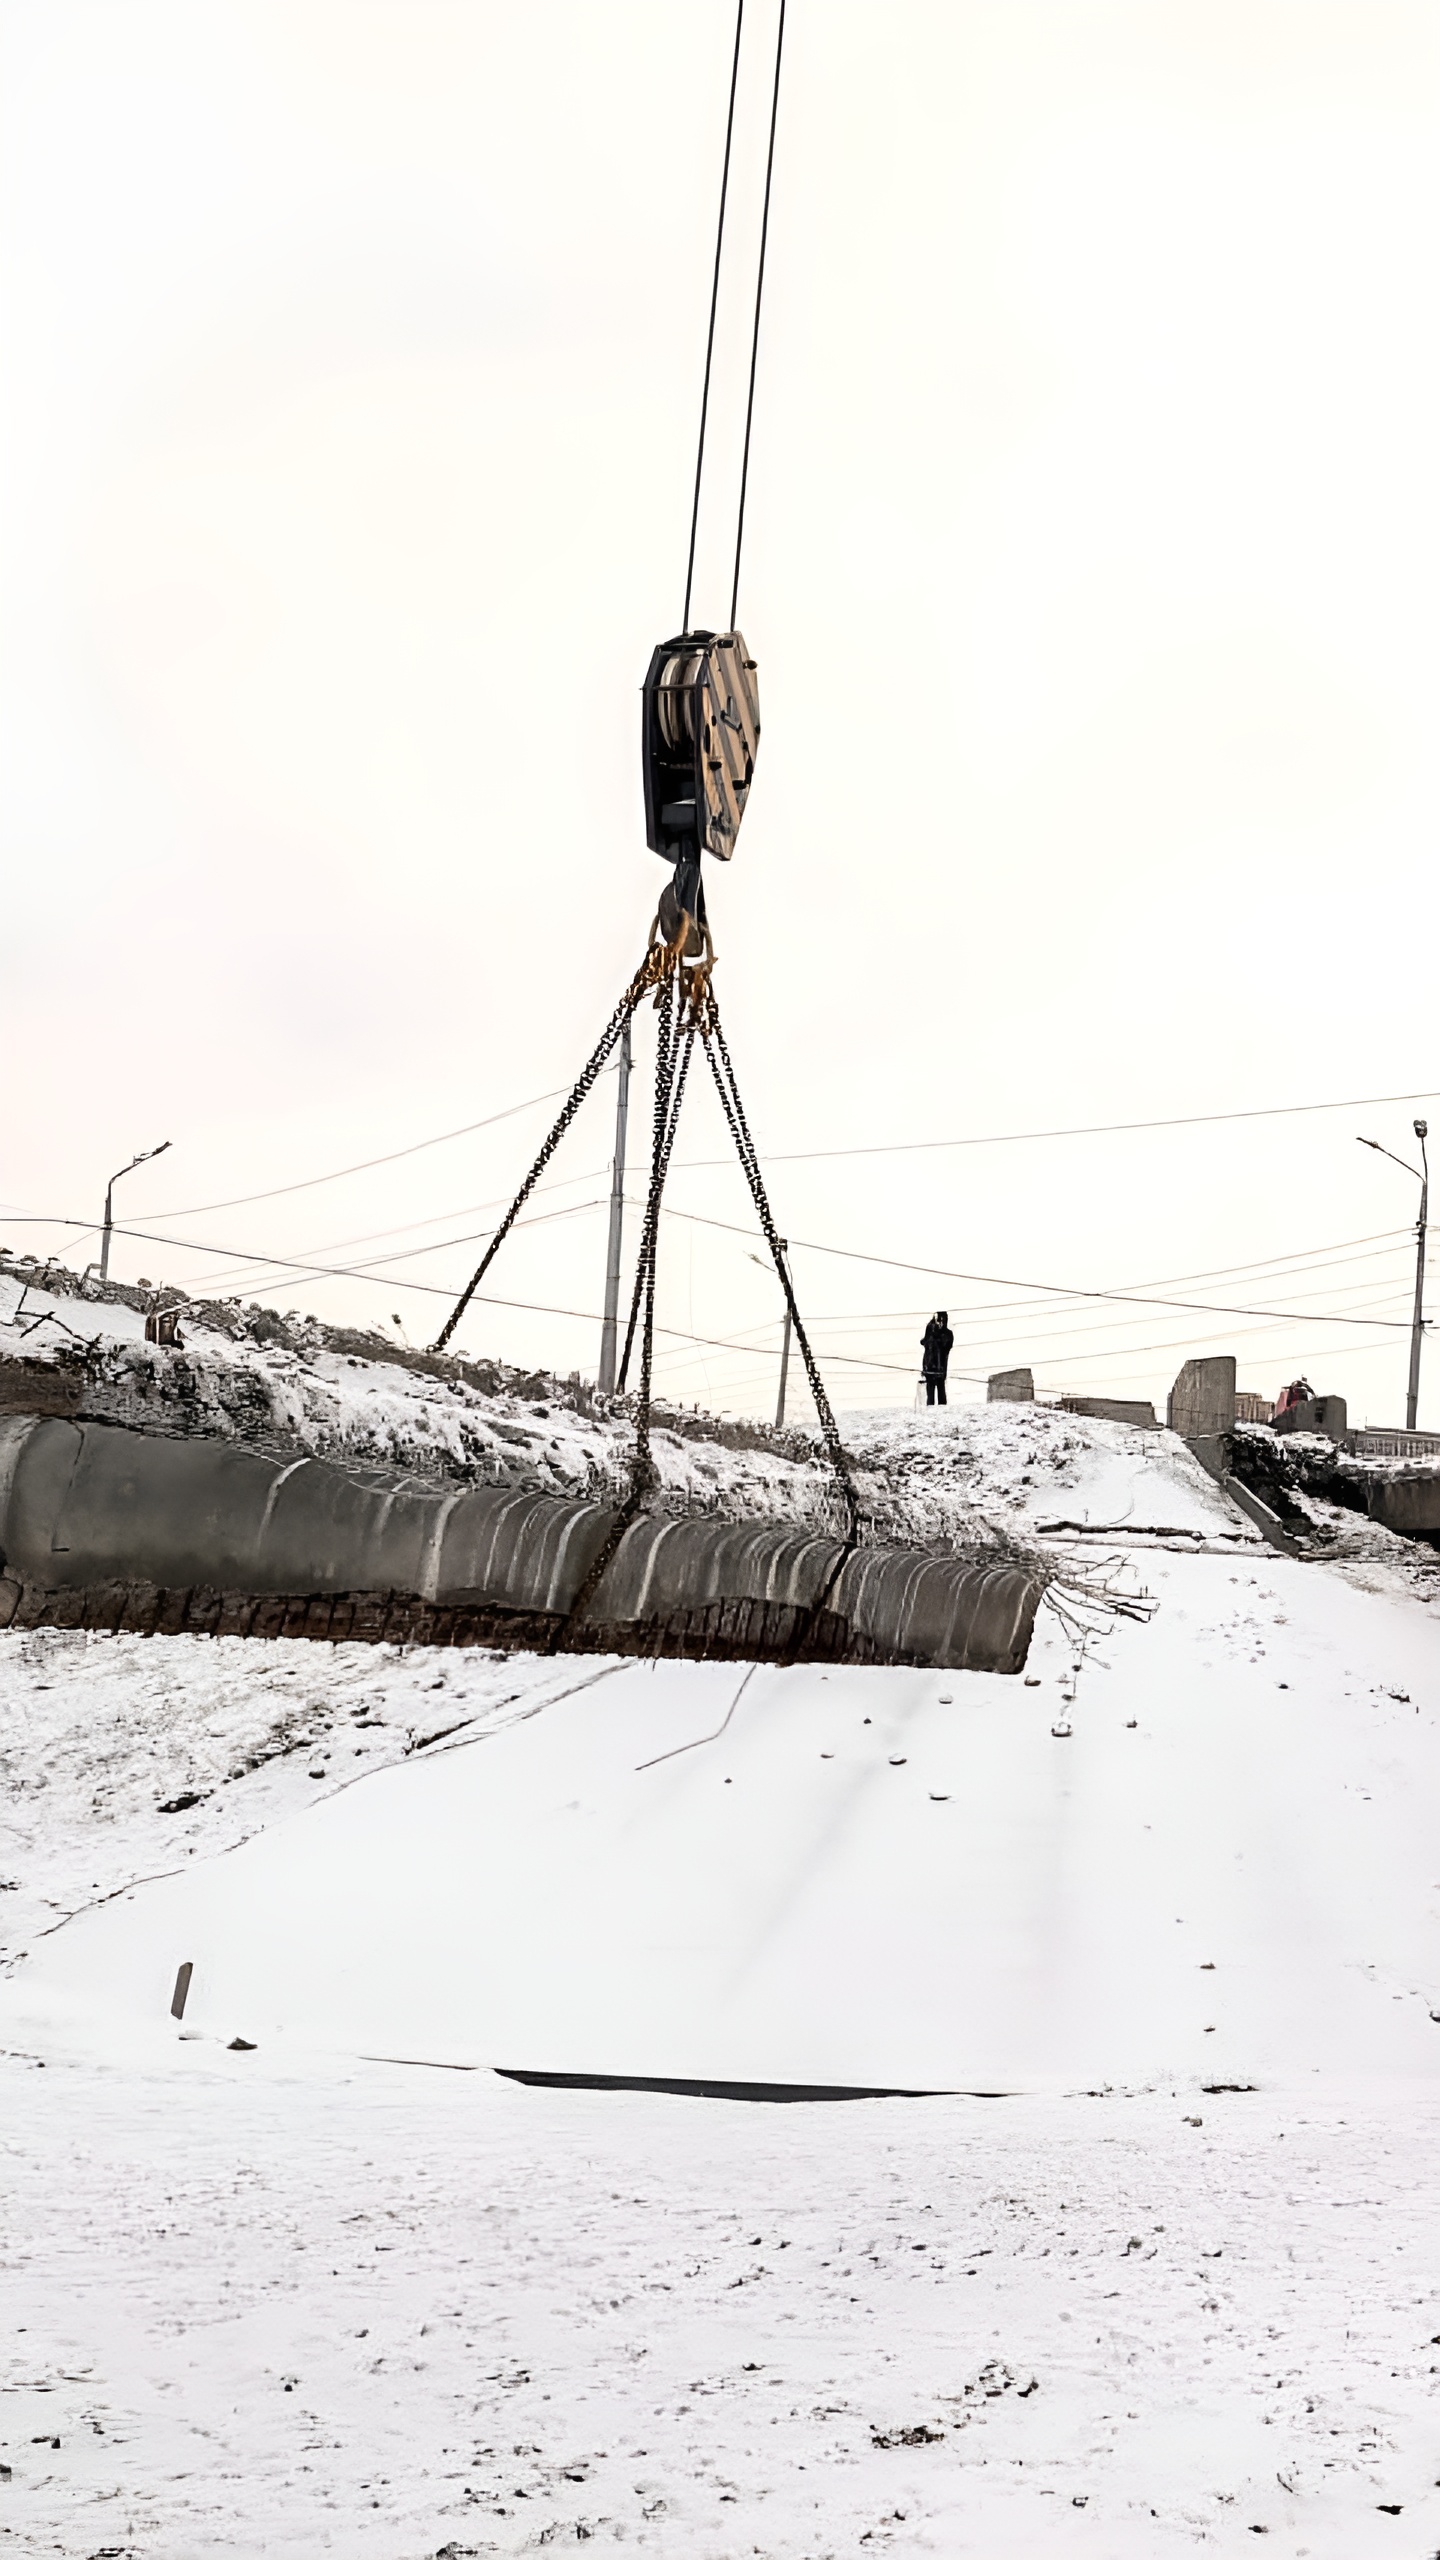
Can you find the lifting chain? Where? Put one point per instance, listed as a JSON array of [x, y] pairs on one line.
[[685, 1002], [718, 1053], [657, 963]]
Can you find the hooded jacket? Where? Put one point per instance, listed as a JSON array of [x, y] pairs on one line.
[[936, 1346]]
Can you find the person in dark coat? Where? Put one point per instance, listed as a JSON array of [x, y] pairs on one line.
[[936, 1345]]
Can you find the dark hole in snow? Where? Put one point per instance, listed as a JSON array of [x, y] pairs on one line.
[[181, 1804], [762, 2092]]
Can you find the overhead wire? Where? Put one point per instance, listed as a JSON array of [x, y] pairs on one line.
[[999, 1280], [246, 1200], [811, 1155], [1096, 1129]]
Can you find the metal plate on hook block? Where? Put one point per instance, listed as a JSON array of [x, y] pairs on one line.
[[700, 736]]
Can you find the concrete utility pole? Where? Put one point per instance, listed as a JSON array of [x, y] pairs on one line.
[[1417, 1324], [610, 1327], [109, 1188], [784, 1344]]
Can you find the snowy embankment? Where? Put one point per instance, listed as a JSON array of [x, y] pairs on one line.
[[292, 1386]]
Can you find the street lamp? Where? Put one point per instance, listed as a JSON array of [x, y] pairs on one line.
[[1417, 1325], [783, 1243], [109, 1187]]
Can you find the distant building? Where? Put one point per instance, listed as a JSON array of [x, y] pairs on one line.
[[1250, 1408]]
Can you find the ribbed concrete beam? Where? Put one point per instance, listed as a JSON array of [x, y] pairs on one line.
[[87, 1507]]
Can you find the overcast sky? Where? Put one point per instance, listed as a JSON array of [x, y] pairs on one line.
[[352, 369]]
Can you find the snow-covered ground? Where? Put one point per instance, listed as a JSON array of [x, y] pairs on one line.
[[255, 2312], [273, 2296]]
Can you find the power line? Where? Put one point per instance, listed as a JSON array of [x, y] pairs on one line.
[[412, 1253], [1283, 1265], [1099, 1129], [314, 1180], [1046, 1288], [424, 1288], [813, 1155]]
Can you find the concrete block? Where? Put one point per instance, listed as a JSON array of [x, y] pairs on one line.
[[87, 1508], [1111, 1409], [1201, 1404], [1011, 1386], [1326, 1414], [1410, 1505]]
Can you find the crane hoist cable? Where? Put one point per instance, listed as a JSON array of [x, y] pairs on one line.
[[700, 731]]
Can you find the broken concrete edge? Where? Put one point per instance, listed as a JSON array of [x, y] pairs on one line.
[[1213, 1449], [744, 1631], [1401, 1496]]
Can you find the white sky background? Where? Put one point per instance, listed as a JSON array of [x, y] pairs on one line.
[[352, 370]]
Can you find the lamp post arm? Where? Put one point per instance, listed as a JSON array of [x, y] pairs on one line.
[[109, 1194]]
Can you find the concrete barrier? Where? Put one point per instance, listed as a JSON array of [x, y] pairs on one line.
[[94, 1516], [1410, 1505], [1201, 1404], [1112, 1409], [1011, 1386]]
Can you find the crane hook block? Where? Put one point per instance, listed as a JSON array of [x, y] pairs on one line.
[[701, 732]]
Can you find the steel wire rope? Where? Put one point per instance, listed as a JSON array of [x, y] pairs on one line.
[[755, 333], [714, 303]]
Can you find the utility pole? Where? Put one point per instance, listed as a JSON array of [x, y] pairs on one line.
[[109, 1188], [784, 1343], [1417, 1324], [610, 1327], [1417, 1327]]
